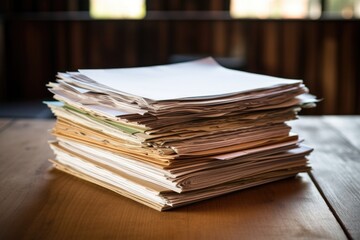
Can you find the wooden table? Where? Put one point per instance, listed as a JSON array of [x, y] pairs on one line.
[[38, 202]]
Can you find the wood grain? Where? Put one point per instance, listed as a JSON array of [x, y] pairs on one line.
[[219, 39], [291, 49], [348, 83], [348, 127], [286, 209], [326, 54], [271, 48], [329, 70], [39, 203], [336, 164], [23, 162]]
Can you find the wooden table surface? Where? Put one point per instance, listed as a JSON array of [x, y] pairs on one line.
[[37, 202]]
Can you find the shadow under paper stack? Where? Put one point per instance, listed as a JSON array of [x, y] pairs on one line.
[[171, 135]]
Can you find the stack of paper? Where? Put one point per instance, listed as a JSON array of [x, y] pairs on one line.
[[171, 135]]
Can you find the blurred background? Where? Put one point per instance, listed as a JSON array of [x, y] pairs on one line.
[[314, 40]]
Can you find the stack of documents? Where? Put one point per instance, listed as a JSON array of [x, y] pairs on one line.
[[171, 135]]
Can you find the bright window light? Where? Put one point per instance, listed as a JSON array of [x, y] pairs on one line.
[[275, 9], [117, 9], [343, 8]]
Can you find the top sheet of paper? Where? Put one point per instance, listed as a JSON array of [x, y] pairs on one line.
[[196, 79]]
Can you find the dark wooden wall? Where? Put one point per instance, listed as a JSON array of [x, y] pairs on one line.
[[325, 53]]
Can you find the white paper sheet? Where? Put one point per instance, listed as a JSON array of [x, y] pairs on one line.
[[197, 79]]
